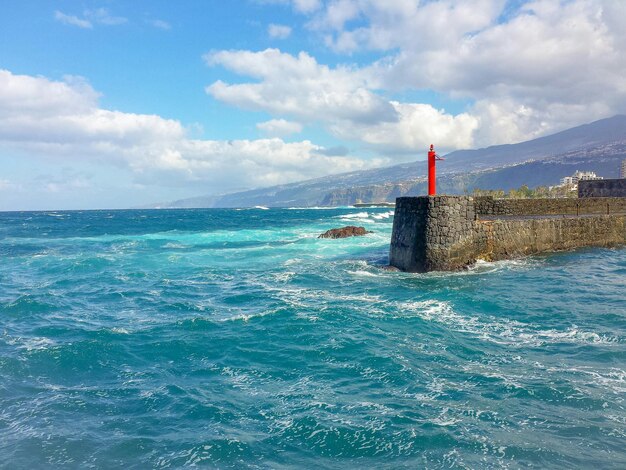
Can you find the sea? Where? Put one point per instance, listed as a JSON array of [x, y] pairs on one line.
[[225, 338]]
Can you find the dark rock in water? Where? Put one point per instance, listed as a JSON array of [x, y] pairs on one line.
[[345, 232], [390, 268]]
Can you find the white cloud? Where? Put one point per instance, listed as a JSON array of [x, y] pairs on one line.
[[301, 6], [522, 70], [306, 6], [341, 98], [6, 185], [67, 185], [90, 17], [49, 119], [298, 86], [160, 24], [417, 126], [103, 16], [404, 24], [72, 20], [278, 31], [530, 67], [279, 127]]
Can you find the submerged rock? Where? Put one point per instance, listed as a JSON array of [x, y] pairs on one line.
[[390, 268], [345, 232]]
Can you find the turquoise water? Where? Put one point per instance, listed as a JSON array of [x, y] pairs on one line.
[[236, 338]]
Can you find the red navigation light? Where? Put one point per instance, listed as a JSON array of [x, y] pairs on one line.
[[432, 178]]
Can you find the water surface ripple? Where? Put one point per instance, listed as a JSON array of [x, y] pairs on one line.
[[236, 338]]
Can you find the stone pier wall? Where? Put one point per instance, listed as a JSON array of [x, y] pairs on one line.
[[602, 188], [445, 233], [504, 239], [432, 233], [488, 206]]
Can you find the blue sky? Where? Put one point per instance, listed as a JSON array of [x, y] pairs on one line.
[[111, 104]]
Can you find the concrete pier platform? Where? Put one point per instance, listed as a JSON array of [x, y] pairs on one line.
[[444, 233]]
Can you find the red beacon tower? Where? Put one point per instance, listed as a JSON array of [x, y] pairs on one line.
[[432, 178]]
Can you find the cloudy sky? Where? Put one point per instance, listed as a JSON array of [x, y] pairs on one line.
[[111, 103]]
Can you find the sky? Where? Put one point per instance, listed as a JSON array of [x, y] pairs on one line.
[[118, 104]]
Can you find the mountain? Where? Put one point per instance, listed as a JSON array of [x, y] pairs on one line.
[[599, 146], [604, 131], [187, 203]]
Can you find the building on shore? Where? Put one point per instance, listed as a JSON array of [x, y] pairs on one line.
[[580, 176], [622, 173]]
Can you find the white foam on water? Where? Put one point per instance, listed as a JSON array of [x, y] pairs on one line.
[[613, 379], [121, 331], [428, 309], [319, 208], [264, 208], [32, 344], [358, 215], [283, 276], [311, 303], [481, 267], [245, 381], [363, 273], [571, 335], [491, 371], [444, 420], [174, 245], [382, 215], [245, 317], [501, 330], [354, 298]]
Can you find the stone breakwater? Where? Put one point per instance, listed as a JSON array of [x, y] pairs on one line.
[[602, 188], [444, 233]]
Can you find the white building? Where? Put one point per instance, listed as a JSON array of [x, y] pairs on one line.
[[622, 173], [580, 176]]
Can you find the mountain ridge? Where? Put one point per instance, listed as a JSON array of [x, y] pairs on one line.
[[597, 143]]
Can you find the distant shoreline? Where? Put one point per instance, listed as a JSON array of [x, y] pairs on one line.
[[374, 204]]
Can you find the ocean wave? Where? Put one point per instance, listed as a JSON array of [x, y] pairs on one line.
[[31, 344], [481, 267], [502, 330], [363, 273], [283, 276], [613, 378], [120, 330], [264, 208], [319, 208], [371, 217], [175, 246], [246, 317], [358, 215], [382, 215], [302, 352]]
